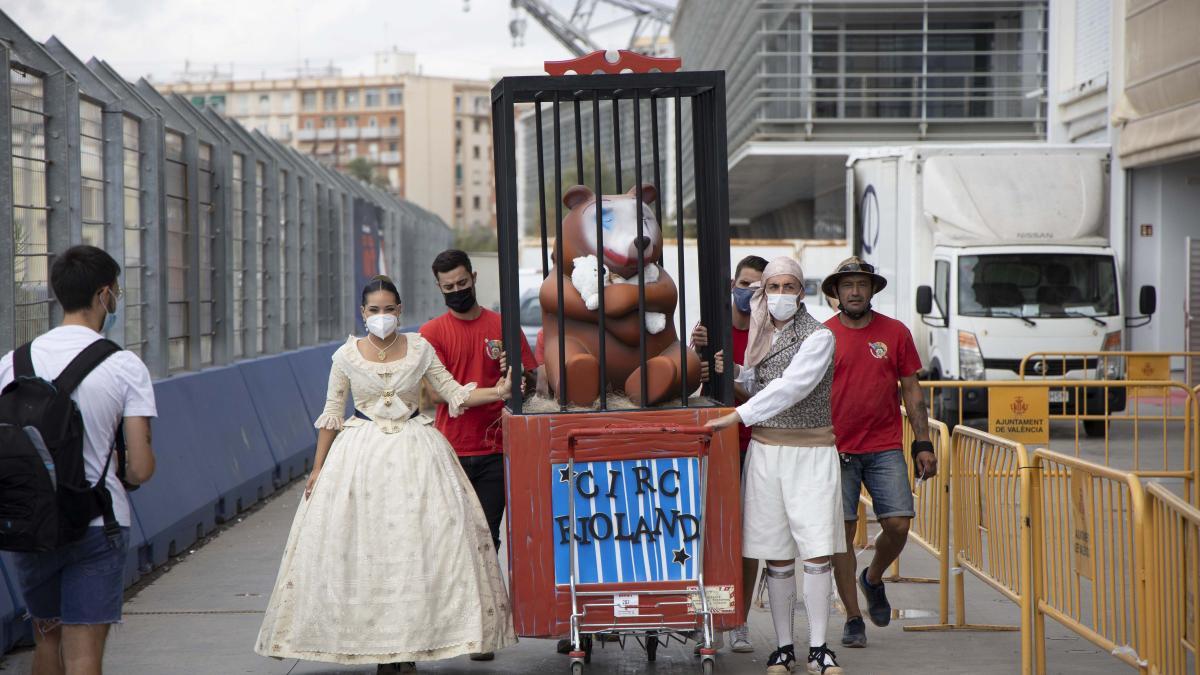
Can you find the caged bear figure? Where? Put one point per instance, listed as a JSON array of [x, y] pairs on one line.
[[580, 303]]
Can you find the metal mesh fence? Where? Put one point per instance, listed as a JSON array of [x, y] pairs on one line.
[[232, 245]]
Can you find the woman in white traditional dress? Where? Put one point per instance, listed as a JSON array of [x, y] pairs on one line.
[[389, 559]]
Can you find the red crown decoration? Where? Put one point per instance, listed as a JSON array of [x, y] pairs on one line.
[[1019, 406], [598, 61]]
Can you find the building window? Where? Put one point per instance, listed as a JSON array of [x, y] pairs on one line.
[[243, 103], [458, 176], [179, 233], [237, 267], [458, 202], [372, 98], [131, 279], [330, 99], [308, 123], [475, 202], [260, 204], [285, 102], [373, 150], [372, 122], [395, 97], [208, 243], [328, 122], [392, 122], [392, 147], [264, 103], [351, 98], [458, 104], [91, 165], [476, 125], [475, 152], [308, 100], [458, 125], [350, 122]]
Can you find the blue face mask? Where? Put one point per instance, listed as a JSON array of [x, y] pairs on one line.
[[110, 318], [741, 299]]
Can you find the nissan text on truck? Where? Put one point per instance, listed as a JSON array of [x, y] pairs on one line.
[[994, 252]]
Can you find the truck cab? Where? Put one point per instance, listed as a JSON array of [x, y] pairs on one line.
[[994, 252]]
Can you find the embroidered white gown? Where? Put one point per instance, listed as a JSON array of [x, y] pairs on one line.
[[391, 558]]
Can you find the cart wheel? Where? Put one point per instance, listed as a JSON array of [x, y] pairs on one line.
[[651, 645], [577, 668], [707, 665], [586, 643]]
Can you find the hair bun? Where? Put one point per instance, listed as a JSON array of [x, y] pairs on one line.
[[381, 277]]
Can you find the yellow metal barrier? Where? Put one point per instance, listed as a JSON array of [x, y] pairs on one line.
[[1087, 569], [1176, 459], [930, 528], [985, 485], [1133, 365], [1172, 558]]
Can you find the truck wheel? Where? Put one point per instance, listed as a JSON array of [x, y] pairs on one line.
[[1095, 428]]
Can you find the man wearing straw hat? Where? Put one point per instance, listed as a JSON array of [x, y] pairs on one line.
[[873, 352], [792, 478]]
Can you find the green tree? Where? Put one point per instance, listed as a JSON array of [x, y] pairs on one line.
[[362, 169], [476, 239]]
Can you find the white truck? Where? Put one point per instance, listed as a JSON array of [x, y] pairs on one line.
[[993, 252]]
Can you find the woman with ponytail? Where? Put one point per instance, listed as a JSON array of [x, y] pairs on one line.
[[390, 558]]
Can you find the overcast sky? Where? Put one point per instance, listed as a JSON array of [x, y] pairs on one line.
[[140, 37]]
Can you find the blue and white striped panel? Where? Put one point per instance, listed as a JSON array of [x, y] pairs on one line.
[[635, 520]]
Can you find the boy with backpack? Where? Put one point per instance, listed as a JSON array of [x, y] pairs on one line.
[[64, 510]]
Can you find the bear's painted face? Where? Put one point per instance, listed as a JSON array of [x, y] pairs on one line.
[[619, 217]]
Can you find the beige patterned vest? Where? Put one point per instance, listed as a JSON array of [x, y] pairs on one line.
[[813, 413]]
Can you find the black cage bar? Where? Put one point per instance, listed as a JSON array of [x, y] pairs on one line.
[[704, 93]]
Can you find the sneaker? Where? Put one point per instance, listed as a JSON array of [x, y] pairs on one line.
[[698, 636], [878, 607], [822, 660], [781, 661], [854, 634], [483, 656], [741, 640]]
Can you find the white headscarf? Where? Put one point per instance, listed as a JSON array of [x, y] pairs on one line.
[[761, 328]]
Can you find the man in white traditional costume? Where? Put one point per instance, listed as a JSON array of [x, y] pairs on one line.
[[792, 478]]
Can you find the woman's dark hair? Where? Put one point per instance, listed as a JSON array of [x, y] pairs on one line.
[[379, 283], [80, 271]]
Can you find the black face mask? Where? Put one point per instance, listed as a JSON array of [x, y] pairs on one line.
[[460, 301]]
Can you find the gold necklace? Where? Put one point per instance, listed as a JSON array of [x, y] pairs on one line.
[[383, 350]]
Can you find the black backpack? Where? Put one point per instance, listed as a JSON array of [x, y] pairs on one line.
[[45, 498]]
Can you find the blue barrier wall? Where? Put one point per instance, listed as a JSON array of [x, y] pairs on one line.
[[224, 439]]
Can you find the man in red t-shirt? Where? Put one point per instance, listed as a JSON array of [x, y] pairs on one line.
[[747, 277], [873, 352], [468, 340]]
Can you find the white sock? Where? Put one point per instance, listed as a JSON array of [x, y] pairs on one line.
[[818, 591], [781, 592]]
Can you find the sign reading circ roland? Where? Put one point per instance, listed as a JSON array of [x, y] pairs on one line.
[[1020, 414]]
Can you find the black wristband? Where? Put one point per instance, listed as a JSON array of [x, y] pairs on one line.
[[920, 446]]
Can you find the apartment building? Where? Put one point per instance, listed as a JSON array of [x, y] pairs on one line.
[[428, 138]]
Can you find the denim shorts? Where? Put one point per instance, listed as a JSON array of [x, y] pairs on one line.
[[885, 475], [81, 583]]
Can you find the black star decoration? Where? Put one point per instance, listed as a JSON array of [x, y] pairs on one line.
[[681, 556], [563, 475]]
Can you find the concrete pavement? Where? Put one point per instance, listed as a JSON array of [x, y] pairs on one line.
[[202, 617]]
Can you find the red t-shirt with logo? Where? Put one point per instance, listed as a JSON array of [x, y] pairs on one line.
[[741, 338], [470, 351], [867, 363]]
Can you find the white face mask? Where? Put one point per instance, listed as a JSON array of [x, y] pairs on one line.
[[782, 306], [382, 325]]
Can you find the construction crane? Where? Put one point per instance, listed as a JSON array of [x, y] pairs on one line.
[[650, 19]]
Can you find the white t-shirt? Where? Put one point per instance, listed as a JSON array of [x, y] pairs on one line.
[[119, 387]]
